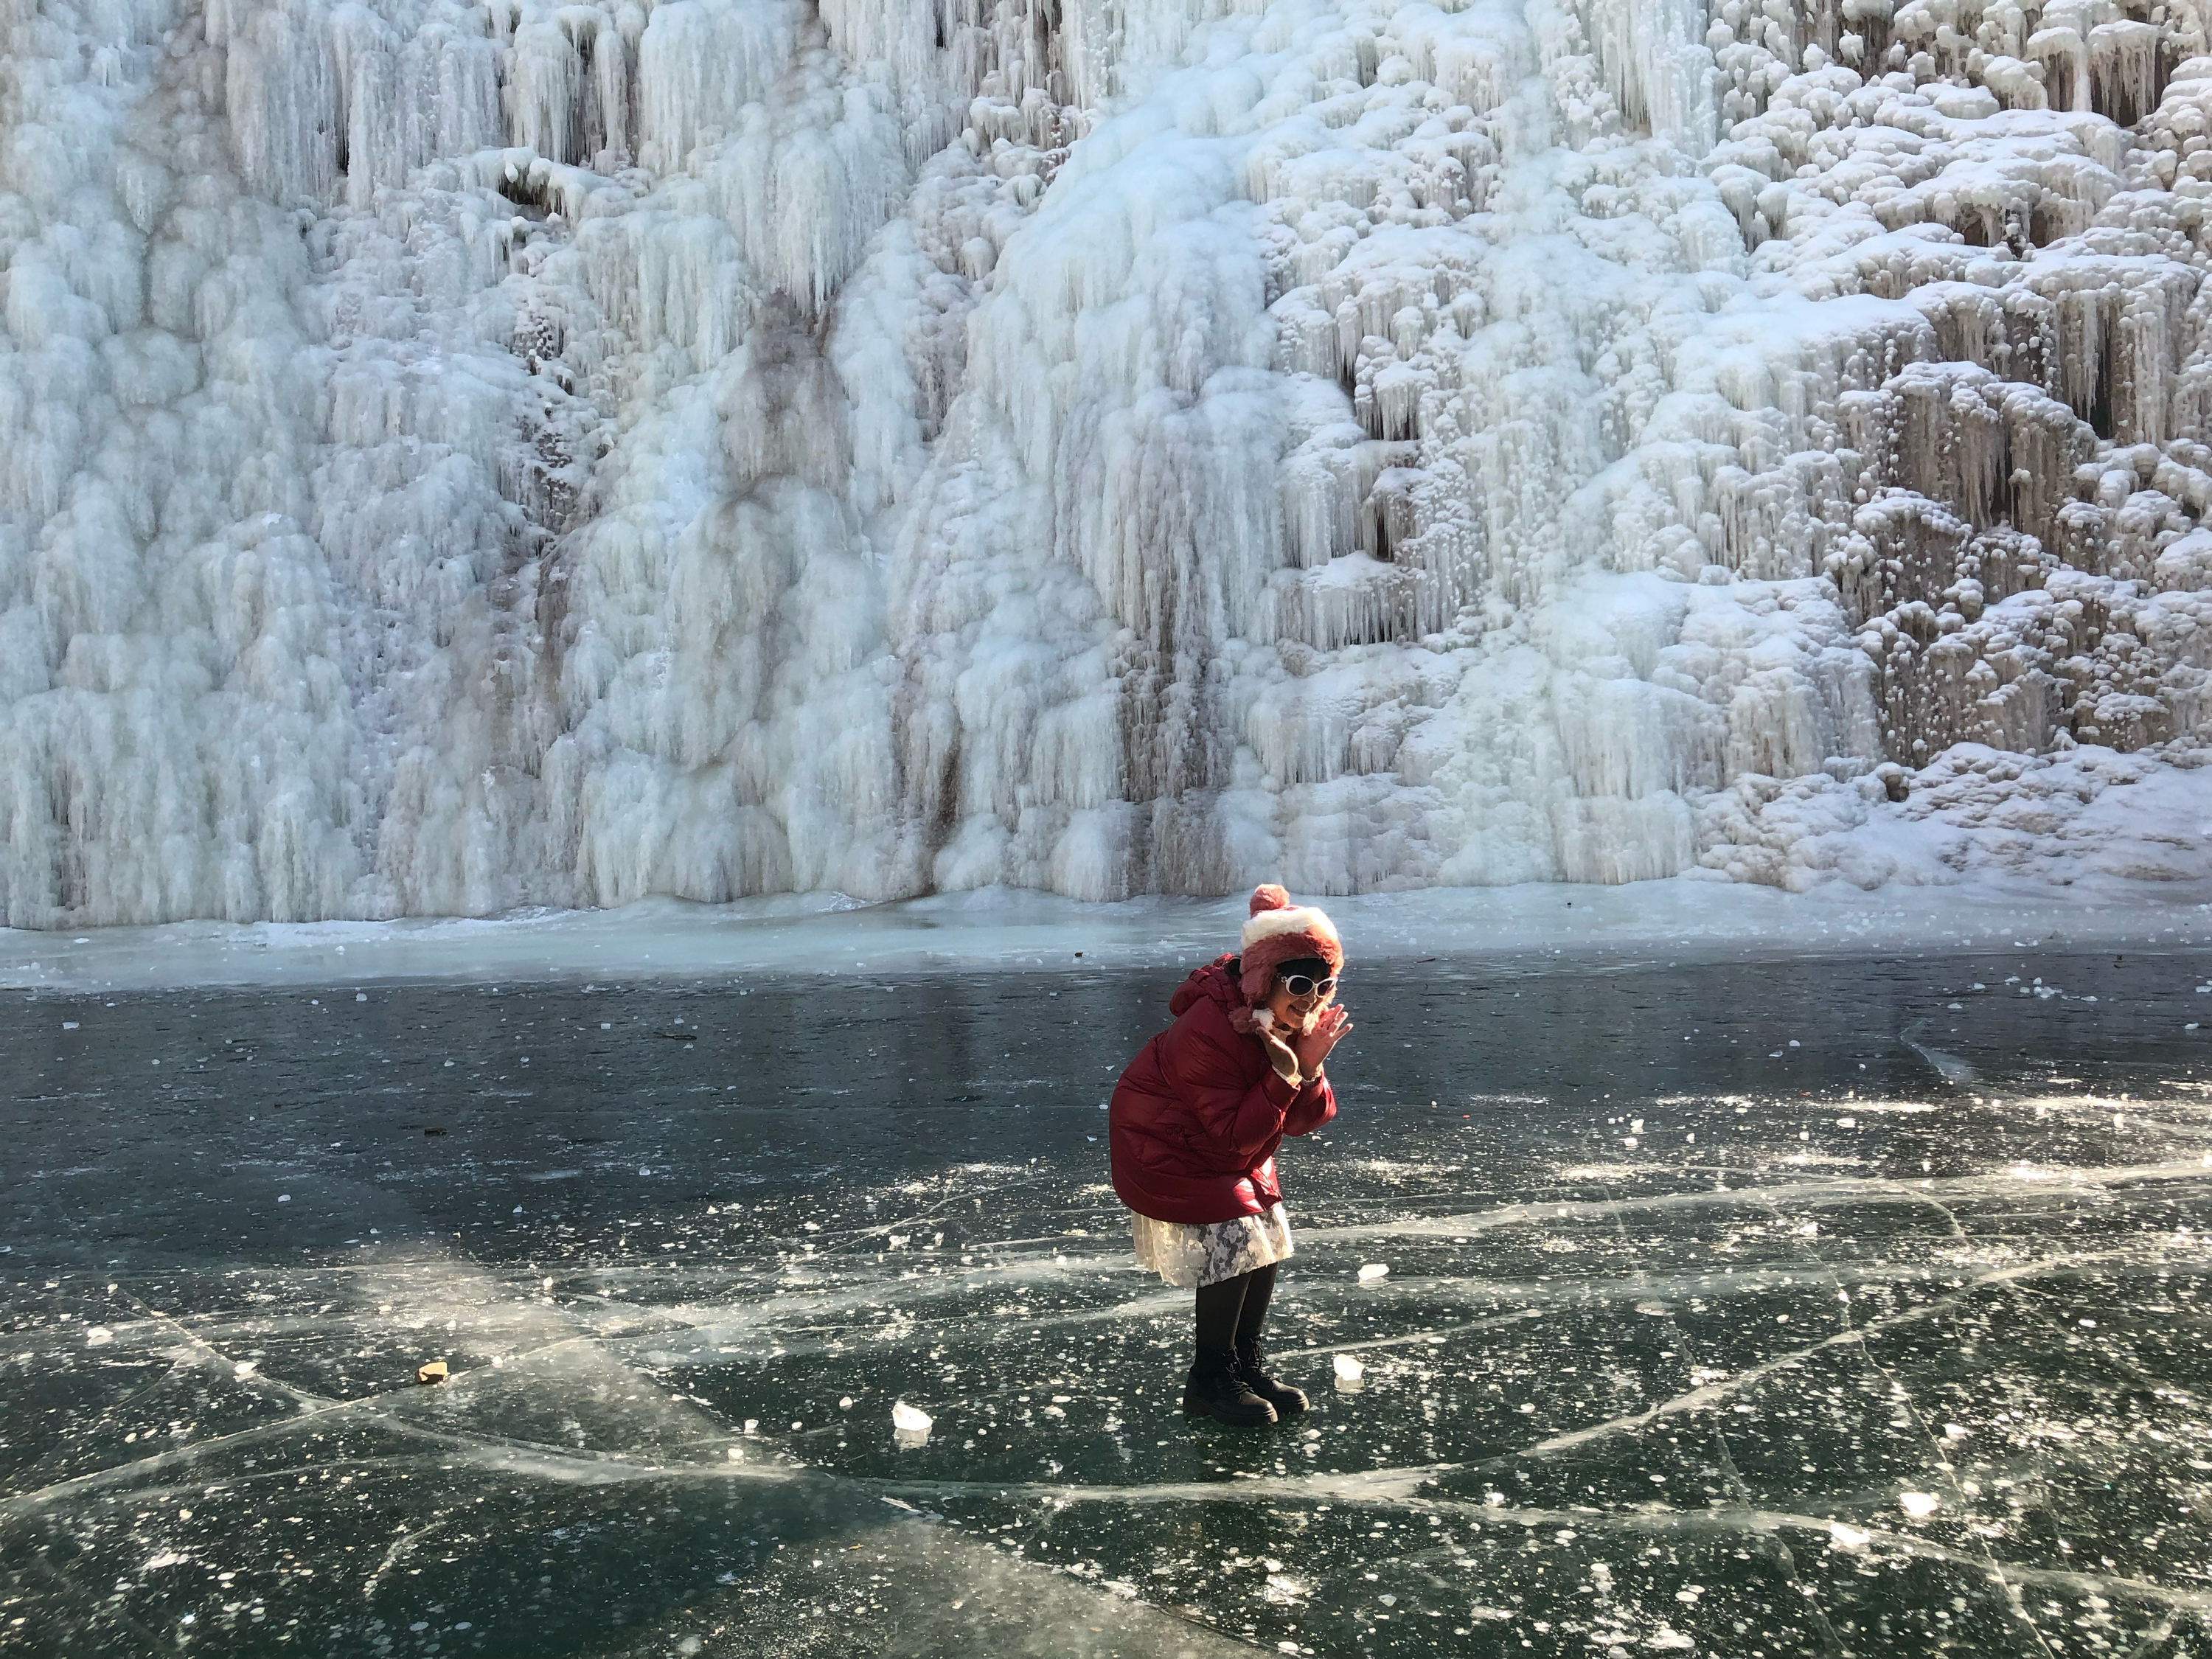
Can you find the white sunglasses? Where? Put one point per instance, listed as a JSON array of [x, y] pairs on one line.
[[1300, 985]]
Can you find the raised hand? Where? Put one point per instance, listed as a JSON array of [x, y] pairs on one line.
[[1280, 1054], [1312, 1048]]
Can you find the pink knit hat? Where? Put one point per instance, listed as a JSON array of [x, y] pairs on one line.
[[1281, 932]]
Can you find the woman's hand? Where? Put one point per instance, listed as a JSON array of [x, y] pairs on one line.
[[1310, 1048], [1280, 1054]]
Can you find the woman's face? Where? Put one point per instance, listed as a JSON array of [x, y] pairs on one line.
[[1298, 1012]]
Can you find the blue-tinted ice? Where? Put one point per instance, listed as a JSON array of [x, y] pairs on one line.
[[1834, 1307]]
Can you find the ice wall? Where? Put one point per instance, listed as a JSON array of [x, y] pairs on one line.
[[462, 456]]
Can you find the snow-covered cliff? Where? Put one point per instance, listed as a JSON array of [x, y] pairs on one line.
[[464, 456]]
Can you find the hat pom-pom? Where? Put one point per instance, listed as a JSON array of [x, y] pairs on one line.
[[1268, 896]]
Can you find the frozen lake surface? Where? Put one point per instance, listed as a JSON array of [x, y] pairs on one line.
[[1839, 1308]]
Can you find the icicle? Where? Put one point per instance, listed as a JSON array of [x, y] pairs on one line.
[[469, 457]]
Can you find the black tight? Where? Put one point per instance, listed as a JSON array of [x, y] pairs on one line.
[[1230, 1314]]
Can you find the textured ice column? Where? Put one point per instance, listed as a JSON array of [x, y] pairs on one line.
[[178, 741], [1117, 398], [462, 456], [1656, 65], [700, 66]]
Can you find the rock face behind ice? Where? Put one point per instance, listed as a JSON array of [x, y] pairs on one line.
[[556, 454]]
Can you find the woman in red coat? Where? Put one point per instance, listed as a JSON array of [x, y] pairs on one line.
[[1193, 1130]]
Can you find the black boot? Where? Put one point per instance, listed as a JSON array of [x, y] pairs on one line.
[[1287, 1400], [1217, 1389]]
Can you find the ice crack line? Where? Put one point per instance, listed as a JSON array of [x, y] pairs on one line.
[[1712, 1394], [1394, 1485], [1683, 1343], [1983, 1184], [1658, 1518], [1900, 1393]]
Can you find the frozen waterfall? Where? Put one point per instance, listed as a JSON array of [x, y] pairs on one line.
[[467, 456]]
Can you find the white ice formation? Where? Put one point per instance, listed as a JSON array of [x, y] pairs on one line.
[[464, 456]]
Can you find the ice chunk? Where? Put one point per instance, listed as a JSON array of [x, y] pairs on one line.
[[1348, 1370], [909, 1425], [1917, 1504], [99, 1337], [1373, 1270]]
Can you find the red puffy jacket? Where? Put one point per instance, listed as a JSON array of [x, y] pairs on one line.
[[1197, 1117]]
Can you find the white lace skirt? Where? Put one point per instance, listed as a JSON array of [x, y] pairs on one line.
[[1186, 1253]]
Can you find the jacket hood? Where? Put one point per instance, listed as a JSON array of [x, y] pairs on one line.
[[1216, 979]]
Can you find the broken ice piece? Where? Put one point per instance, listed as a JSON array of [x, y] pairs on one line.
[[1348, 1370], [98, 1336], [1917, 1504], [1374, 1270], [244, 1368], [436, 1371], [910, 1426], [1847, 1537]]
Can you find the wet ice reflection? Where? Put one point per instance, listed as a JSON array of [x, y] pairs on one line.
[[1716, 1346]]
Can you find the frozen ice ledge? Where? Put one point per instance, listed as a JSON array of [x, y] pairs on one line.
[[465, 457], [1532, 928]]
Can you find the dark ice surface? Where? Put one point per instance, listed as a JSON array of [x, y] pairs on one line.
[[1847, 1307]]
